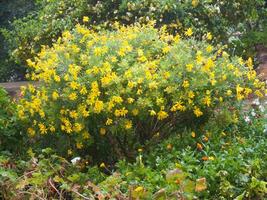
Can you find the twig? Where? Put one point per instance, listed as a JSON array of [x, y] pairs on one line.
[[81, 195], [50, 182]]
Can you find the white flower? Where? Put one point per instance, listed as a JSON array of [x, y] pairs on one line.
[[253, 113], [247, 119], [75, 160], [261, 107], [256, 102]]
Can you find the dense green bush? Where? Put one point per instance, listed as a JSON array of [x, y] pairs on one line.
[[10, 11], [9, 129], [222, 18]]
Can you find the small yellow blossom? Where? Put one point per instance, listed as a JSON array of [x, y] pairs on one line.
[[209, 36], [128, 124], [162, 115], [31, 132], [79, 145], [195, 3], [198, 112], [102, 165], [85, 19], [186, 84], [102, 131], [189, 67], [139, 189], [109, 121], [55, 95], [73, 96], [189, 32], [209, 48], [135, 112]]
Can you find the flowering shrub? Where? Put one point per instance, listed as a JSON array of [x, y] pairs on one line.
[[131, 85]]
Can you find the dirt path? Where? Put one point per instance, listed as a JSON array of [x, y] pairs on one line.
[[262, 58], [13, 88]]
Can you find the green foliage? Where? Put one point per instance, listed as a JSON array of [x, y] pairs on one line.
[[10, 136], [9, 11]]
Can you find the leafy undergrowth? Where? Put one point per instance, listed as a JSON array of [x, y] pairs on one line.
[[229, 166]]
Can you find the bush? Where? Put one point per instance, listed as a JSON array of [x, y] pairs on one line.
[[10, 136], [222, 18], [9, 12], [120, 89]]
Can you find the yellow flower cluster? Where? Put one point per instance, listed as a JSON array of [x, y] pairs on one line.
[[135, 79]]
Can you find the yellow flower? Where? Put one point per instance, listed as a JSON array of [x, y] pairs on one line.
[[191, 94], [73, 114], [70, 152], [109, 121], [79, 145], [139, 189], [128, 124], [169, 147], [130, 100], [42, 128], [135, 112], [152, 113], [229, 92], [186, 84], [102, 131], [178, 106], [162, 115], [209, 48], [113, 59], [166, 49], [207, 100], [86, 135], [198, 112], [189, 32], [211, 158], [195, 3], [31, 132], [102, 165], [77, 127], [153, 85], [55, 95], [258, 93], [250, 63], [120, 112], [209, 36], [83, 91], [99, 106], [74, 85], [52, 129], [189, 67], [85, 19], [73, 96]]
